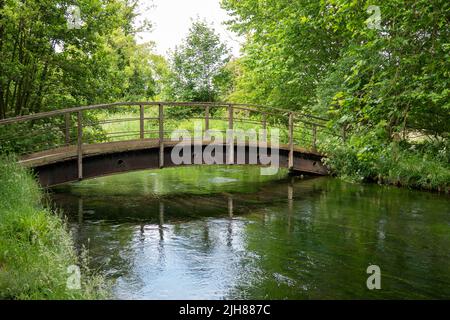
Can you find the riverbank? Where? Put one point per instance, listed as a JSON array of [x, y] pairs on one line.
[[36, 249], [422, 166]]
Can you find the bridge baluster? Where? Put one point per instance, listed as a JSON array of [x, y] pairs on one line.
[[264, 126], [314, 137], [67, 128], [141, 122], [206, 118], [291, 141], [230, 137]]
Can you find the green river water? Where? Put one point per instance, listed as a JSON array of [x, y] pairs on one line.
[[230, 233]]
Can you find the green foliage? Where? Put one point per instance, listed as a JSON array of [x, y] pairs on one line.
[[198, 66], [384, 86], [46, 65], [287, 50], [35, 247], [362, 158]]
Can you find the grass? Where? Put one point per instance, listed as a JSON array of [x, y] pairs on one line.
[[35, 247]]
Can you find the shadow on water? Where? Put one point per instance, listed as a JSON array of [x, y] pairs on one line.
[[228, 232]]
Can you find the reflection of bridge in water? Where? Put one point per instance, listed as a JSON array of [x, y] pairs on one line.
[[162, 210], [74, 144]]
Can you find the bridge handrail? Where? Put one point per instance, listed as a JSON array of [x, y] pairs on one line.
[[59, 112]]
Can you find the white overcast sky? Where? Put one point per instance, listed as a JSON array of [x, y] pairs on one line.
[[171, 20]]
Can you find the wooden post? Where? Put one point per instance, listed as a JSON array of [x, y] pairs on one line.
[[206, 118], [291, 141], [314, 136], [80, 145], [161, 135], [141, 122], [264, 126], [230, 136], [230, 117], [67, 128]]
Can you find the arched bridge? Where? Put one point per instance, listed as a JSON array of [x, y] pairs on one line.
[[86, 142]]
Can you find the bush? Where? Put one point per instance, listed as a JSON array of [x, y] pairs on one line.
[[363, 158]]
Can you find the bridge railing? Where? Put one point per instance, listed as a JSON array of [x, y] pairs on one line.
[[73, 128]]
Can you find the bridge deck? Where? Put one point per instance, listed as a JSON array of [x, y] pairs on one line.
[[61, 165], [71, 152]]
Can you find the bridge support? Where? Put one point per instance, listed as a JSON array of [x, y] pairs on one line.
[[161, 136], [80, 145], [230, 136], [291, 141]]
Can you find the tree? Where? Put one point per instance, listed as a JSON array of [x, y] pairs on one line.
[[47, 63], [287, 51], [198, 66], [329, 57]]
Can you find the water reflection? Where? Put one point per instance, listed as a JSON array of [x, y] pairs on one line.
[[250, 237]]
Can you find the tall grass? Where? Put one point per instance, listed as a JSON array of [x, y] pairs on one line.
[[35, 246]]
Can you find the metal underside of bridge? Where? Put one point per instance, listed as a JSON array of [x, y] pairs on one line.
[[61, 165]]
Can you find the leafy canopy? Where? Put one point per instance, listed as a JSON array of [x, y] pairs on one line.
[[198, 66]]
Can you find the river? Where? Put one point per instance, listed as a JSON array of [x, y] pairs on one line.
[[222, 232]]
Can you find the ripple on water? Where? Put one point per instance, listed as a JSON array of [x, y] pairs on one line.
[[220, 180]]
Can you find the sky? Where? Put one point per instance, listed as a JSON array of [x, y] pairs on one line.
[[171, 20]]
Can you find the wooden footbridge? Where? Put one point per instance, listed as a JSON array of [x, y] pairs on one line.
[[86, 142]]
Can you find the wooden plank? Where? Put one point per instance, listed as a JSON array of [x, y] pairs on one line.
[[80, 145], [230, 117], [291, 141], [230, 136], [141, 122], [67, 128], [264, 126], [147, 103], [71, 152], [206, 118], [314, 136], [161, 136]]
